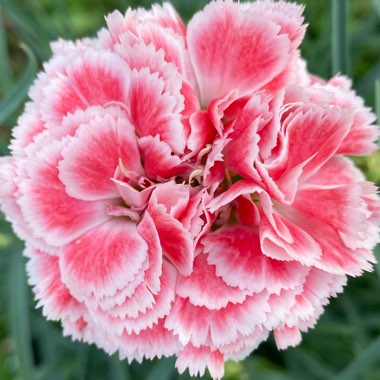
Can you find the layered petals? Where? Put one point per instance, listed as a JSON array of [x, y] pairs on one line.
[[182, 190]]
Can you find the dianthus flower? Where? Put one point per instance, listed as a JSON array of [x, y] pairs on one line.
[[184, 191]]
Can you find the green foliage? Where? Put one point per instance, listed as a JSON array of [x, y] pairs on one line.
[[345, 344]]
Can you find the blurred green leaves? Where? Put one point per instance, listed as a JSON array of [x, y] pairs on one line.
[[16, 97]]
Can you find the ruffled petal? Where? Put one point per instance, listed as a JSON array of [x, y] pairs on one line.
[[103, 260], [197, 359], [51, 293], [204, 288], [91, 78], [176, 241], [246, 52], [236, 253], [50, 212], [91, 157]]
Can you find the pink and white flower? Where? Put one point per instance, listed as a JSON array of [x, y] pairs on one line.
[[183, 190]]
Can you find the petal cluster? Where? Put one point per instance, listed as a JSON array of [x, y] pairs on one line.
[[183, 190]]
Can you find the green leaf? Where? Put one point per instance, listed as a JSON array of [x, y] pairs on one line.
[[339, 36], [377, 254], [119, 369], [5, 66], [377, 100], [368, 357], [307, 363], [17, 96], [163, 370], [20, 318]]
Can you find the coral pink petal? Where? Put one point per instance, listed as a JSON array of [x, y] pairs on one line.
[[29, 125], [287, 15], [50, 212], [152, 342], [133, 197], [337, 171], [158, 158], [168, 17], [312, 137], [242, 152], [336, 257], [237, 189], [197, 359], [92, 78], [246, 52], [204, 288], [202, 132], [163, 302], [176, 241], [156, 114], [301, 247], [103, 260], [91, 157], [199, 325], [54, 297], [236, 253], [148, 232]]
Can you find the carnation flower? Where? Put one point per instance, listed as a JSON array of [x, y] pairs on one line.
[[184, 191]]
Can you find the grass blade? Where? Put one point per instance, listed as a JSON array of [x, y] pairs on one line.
[[163, 370], [5, 67], [119, 369], [17, 96], [19, 317], [364, 361], [377, 100], [339, 36], [377, 249]]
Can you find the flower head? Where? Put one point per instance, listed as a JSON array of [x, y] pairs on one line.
[[183, 191]]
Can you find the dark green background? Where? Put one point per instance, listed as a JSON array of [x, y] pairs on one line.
[[345, 344]]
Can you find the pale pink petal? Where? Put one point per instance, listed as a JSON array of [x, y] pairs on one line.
[[158, 159], [287, 337], [92, 78], [244, 345], [361, 139], [312, 297], [55, 298], [28, 126], [103, 260], [197, 359], [199, 325], [282, 240], [236, 253], [243, 150], [152, 109], [163, 303], [135, 198], [192, 216], [176, 241], [50, 212], [287, 15], [312, 136], [337, 257], [237, 189], [204, 288], [202, 132], [149, 343], [168, 17], [337, 171], [246, 52], [91, 157], [147, 230]]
